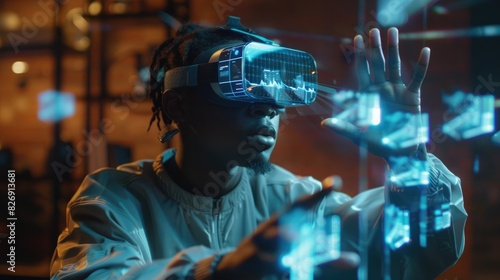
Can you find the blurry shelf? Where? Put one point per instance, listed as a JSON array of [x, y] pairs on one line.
[[36, 48], [124, 19], [140, 15]]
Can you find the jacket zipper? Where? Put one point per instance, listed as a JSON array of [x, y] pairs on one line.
[[215, 223]]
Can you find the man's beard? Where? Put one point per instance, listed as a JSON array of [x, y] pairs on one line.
[[260, 166]]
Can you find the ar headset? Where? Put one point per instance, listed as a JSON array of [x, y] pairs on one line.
[[252, 72]]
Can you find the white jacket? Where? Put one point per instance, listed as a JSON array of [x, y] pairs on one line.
[[134, 222]]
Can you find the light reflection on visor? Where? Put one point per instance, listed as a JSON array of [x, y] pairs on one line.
[[252, 72], [256, 72]]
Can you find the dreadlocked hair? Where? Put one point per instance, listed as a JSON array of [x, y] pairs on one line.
[[190, 40]]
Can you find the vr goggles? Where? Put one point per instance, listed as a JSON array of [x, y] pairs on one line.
[[251, 72]]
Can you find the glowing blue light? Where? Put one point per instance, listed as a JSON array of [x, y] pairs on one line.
[[355, 208], [397, 227], [423, 219], [317, 243], [424, 177], [403, 130], [360, 109], [440, 10], [476, 164], [408, 172], [472, 115], [375, 116], [300, 257], [287, 261], [442, 217], [396, 12], [479, 31], [327, 241], [368, 112], [490, 30], [423, 128], [55, 106], [496, 138]]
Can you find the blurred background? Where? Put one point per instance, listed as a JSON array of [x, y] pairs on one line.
[[72, 99]]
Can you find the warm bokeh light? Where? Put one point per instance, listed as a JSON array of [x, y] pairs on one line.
[[95, 8], [118, 8], [20, 67], [75, 16], [10, 21], [80, 22], [82, 44]]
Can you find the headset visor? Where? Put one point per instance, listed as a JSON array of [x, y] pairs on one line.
[[253, 72]]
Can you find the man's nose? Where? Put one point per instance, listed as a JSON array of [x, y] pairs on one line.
[[263, 110]]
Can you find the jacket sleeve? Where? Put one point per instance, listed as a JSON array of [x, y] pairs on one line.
[[101, 241], [444, 247], [411, 261]]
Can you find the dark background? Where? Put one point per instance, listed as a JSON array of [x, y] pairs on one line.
[[100, 66]]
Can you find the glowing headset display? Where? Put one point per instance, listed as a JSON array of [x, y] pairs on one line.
[[252, 72]]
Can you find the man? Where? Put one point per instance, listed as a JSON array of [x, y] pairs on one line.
[[213, 208]]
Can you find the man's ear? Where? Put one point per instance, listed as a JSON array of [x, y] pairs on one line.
[[172, 106]]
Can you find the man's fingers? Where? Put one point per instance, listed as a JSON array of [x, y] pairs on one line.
[[361, 63], [393, 59], [377, 60], [420, 70]]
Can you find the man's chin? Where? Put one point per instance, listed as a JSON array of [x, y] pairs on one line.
[[256, 160], [260, 166]]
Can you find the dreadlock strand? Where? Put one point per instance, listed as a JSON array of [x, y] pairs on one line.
[[155, 86], [190, 40]]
